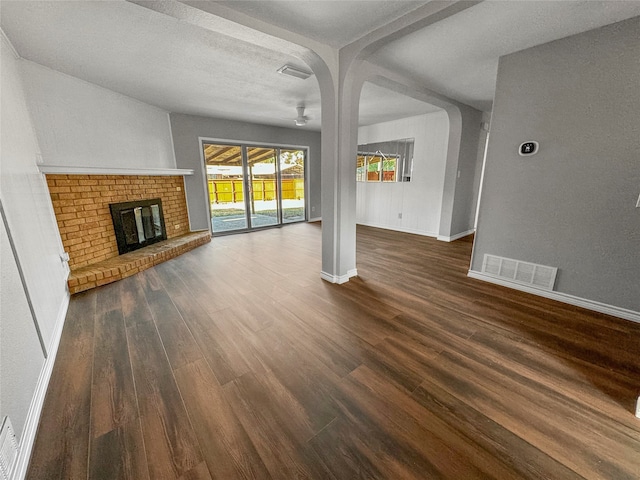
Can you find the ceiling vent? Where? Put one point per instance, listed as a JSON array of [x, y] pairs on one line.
[[294, 72], [525, 273]]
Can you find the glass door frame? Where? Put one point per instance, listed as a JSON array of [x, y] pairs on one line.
[[248, 187], [250, 200]]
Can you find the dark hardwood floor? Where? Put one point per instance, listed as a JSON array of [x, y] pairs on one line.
[[235, 361]]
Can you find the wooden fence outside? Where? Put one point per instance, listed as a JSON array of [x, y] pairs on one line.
[[232, 191]]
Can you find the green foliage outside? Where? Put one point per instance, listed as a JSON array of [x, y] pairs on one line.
[[388, 165]]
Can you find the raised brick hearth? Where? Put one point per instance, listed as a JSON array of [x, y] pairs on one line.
[[123, 266], [81, 205]]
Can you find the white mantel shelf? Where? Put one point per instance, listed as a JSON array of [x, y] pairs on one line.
[[73, 170]]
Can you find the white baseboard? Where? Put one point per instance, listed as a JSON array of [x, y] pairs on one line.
[[400, 229], [339, 278], [562, 297], [314, 219], [444, 238], [37, 402]]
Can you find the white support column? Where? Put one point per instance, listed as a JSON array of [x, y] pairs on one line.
[[340, 81], [339, 145]]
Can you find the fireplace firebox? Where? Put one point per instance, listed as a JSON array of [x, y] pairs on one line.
[[138, 224]]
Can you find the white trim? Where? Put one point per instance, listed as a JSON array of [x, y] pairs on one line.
[[444, 238], [484, 164], [339, 279], [561, 297], [400, 229], [37, 402], [314, 219], [74, 170]]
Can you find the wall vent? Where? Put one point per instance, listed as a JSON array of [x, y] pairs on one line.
[[539, 276], [8, 449]]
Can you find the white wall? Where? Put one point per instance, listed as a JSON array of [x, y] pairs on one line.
[[83, 125], [420, 200], [27, 203], [21, 358], [32, 226]]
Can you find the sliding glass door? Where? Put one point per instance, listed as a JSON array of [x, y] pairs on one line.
[[263, 192], [226, 180], [254, 186]]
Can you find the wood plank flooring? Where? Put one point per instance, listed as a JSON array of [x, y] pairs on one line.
[[235, 361]]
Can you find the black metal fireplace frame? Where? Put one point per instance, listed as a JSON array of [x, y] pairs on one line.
[[116, 217]]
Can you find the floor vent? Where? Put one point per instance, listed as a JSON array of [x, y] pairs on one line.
[[539, 276], [8, 449]]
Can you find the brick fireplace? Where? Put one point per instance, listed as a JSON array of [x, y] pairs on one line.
[[81, 205]]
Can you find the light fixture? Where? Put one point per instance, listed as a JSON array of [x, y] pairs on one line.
[[300, 120], [294, 72]]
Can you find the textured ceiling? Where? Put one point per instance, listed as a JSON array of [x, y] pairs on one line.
[[336, 23], [458, 56], [159, 60], [183, 68], [379, 105]]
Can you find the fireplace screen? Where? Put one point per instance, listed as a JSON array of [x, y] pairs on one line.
[[138, 224]]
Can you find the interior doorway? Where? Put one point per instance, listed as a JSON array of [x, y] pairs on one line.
[[254, 186]]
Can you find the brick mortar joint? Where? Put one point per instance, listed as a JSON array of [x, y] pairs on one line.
[[134, 188]]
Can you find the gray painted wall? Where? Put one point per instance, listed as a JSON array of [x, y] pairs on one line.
[[470, 167], [461, 182], [573, 204], [187, 128]]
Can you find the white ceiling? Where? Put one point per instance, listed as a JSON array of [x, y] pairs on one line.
[[458, 56], [159, 60], [184, 68], [336, 23], [378, 104]]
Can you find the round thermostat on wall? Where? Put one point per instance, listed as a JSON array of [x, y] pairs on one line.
[[528, 148]]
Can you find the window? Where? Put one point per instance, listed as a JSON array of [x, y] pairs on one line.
[[373, 168], [389, 170], [390, 161], [361, 167]]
